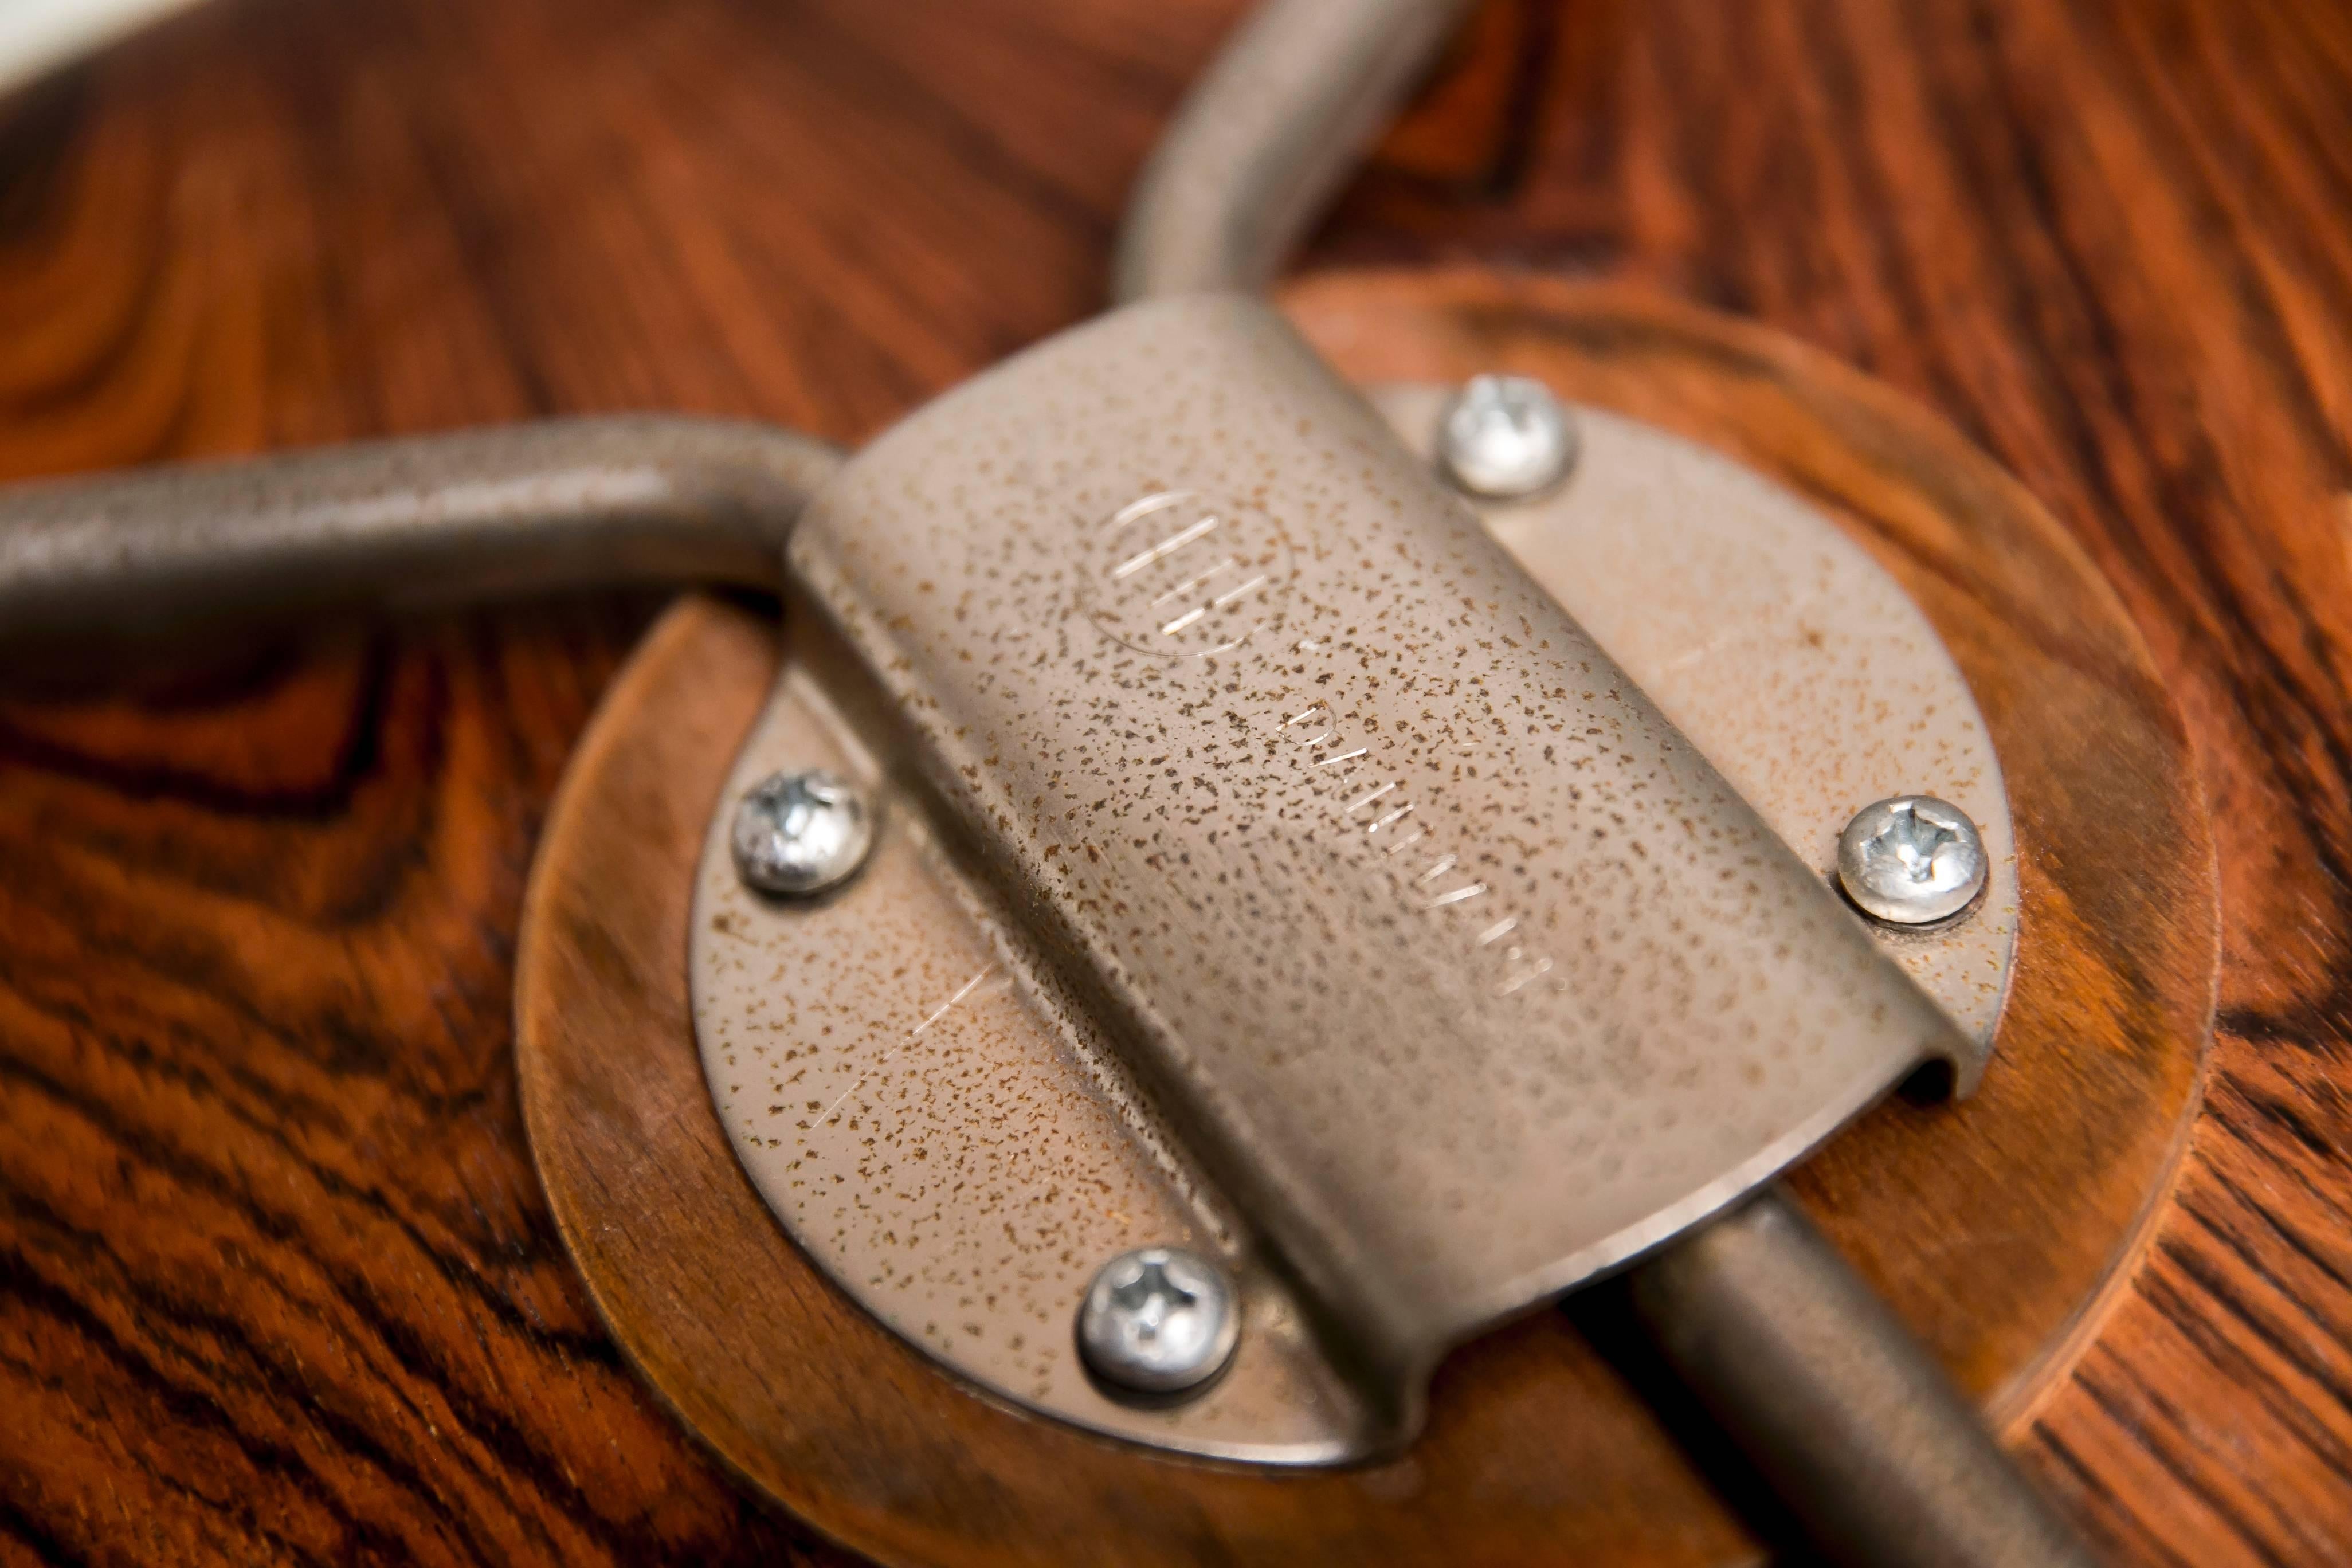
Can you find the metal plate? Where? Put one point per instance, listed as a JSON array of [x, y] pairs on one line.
[[971, 1158], [1778, 647], [938, 1128]]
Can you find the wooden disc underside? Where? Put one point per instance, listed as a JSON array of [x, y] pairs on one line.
[[1996, 1227]]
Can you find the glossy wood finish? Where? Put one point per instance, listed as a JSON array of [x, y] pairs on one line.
[[1995, 1227], [276, 1281]]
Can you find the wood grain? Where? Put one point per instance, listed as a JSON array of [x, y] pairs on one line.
[[275, 1283]]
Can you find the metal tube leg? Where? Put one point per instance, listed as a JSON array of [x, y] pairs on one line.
[[431, 519], [1839, 1409], [1266, 138]]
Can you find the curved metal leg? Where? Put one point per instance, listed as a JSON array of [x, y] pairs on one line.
[[431, 519], [1266, 138]]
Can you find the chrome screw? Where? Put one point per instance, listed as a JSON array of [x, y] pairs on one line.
[[1911, 860], [801, 833], [1506, 437], [1158, 1320]]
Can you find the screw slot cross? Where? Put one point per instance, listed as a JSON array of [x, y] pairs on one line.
[[1150, 1299], [1916, 840], [801, 833], [1158, 1320], [1911, 860]]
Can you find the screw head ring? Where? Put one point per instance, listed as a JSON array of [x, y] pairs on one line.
[[1911, 860], [801, 833], [1158, 1320], [1506, 437]]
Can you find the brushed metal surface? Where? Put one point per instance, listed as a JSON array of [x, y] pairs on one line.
[[1578, 997]]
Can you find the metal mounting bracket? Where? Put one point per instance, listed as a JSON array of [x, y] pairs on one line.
[[922, 1073]]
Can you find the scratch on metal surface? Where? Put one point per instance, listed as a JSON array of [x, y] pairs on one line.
[[941, 1011]]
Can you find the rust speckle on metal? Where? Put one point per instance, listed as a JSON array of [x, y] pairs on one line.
[[1388, 929], [1780, 649]]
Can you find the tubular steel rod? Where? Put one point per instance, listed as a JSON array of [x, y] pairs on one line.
[[1876, 1454], [557, 504], [1266, 138]]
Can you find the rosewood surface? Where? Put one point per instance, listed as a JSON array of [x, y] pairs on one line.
[[277, 1282]]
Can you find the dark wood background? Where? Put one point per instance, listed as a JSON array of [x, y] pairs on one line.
[[275, 1281]]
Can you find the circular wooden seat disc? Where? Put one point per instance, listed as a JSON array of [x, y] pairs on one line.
[[1995, 1227]]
